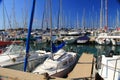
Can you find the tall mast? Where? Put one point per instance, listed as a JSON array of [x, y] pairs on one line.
[[117, 18], [83, 19], [93, 18], [14, 18], [58, 21], [9, 21], [77, 21], [4, 26], [101, 15], [50, 5], [25, 15], [50, 20], [43, 15], [61, 25], [28, 36], [106, 9], [46, 14]]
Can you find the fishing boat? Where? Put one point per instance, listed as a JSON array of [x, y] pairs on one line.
[[14, 55], [109, 66]]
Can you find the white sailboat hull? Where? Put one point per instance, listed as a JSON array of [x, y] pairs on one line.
[[82, 41], [64, 72], [103, 41], [69, 41], [60, 67], [18, 63]]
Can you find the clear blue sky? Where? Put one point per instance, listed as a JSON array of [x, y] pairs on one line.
[[70, 10]]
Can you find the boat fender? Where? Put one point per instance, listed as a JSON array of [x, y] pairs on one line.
[[13, 59], [98, 77], [46, 76]]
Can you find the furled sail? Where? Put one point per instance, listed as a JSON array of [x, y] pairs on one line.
[[56, 48]]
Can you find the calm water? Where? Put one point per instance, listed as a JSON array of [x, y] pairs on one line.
[[93, 49]]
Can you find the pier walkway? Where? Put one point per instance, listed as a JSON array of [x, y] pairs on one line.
[[10, 74], [84, 67]]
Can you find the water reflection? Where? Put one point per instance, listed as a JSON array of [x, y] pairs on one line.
[[93, 49], [106, 49]]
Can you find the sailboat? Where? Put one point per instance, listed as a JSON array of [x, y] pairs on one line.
[[82, 39], [14, 55], [103, 41], [60, 63], [3, 41], [109, 65]]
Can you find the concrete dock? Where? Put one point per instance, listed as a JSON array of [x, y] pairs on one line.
[[10, 74], [83, 68]]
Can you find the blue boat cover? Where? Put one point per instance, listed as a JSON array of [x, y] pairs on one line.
[[56, 48], [83, 38]]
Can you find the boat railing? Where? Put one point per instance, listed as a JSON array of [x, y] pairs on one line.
[[114, 68]]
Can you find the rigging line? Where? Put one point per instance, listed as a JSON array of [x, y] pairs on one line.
[[42, 24], [8, 17]]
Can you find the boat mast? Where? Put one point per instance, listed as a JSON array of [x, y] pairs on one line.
[[117, 19], [83, 20], [43, 15], [9, 21], [61, 24], [25, 15], [77, 22], [101, 15], [50, 19], [28, 36], [4, 26], [58, 22], [14, 17], [93, 18], [46, 14], [106, 9]]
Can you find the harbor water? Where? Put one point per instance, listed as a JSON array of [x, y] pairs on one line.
[[79, 49]]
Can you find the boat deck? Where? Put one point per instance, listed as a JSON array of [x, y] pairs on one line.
[[84, 67]]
